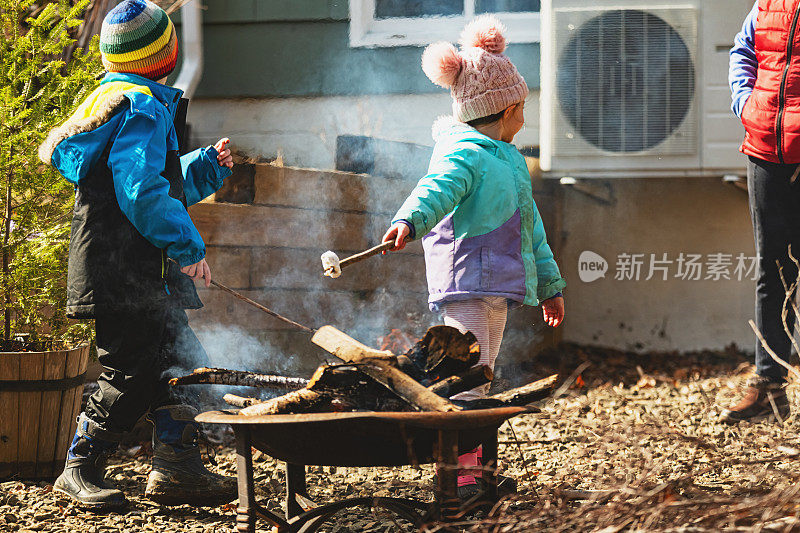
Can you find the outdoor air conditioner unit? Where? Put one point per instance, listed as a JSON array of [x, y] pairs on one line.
[[632, 89]]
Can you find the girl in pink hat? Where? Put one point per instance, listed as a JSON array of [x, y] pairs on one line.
[[484, 241]]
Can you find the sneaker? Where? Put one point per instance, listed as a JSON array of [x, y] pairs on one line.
[[757, 403], [506, 486], [473, 492]]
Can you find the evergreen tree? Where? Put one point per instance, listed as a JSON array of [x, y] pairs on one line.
[[38, 89]]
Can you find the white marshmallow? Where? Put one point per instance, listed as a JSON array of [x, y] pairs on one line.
[[330, 264]]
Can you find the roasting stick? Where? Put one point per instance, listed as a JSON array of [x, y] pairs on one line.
[[332, 266], [375, 250], [259, 306], [256, 304]]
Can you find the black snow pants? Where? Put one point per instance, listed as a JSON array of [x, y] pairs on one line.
[[775, 210], [136, 350]]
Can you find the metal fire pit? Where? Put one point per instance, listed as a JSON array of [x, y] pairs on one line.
[[360, 439]]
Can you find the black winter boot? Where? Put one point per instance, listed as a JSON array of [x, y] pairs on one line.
[[178, 475], [83, 476]]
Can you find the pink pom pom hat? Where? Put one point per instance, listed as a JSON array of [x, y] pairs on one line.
[[481, 79]]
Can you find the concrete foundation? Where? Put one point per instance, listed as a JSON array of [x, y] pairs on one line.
[[695, 307]]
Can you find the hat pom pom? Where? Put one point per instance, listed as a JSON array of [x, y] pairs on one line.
[[485, 32], [441, 63]]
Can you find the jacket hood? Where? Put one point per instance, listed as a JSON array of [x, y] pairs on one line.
[[75, 146]]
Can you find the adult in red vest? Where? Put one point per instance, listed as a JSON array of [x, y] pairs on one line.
[[765, 85]]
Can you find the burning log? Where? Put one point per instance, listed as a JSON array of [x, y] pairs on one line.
[[336, 377], [445, 351], [528, 393], [352, 386], [221, 376], [239, 401], [346, 388], [349, 350], [475, 376], [332, 388], [299, 401], [377, 380]]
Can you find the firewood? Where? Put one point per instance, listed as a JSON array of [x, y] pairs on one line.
[[337, 377], [344, 346], [355, 388], [475, 376], [299, 401], [221, 376], [349, 350], [528, 393], [445, 351], [239, 401]]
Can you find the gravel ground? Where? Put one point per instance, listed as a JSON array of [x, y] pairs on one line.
[[632, 446]]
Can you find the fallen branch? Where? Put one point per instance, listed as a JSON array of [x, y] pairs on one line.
[[528, 393], [571, 379], [772, 354]]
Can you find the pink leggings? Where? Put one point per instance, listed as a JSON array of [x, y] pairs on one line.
[[486, 319]]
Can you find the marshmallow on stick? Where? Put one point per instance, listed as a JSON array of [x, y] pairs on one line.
[[332, 266]]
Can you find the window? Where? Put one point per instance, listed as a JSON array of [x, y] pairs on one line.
[[421, 22]]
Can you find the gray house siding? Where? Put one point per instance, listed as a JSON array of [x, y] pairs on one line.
[[270, 48]]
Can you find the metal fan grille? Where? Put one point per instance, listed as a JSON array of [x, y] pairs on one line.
[[625, 81]]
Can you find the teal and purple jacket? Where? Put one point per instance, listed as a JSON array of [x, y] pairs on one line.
[[483, 235]]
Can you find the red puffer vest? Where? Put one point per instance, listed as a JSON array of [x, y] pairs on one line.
[[771, 116]]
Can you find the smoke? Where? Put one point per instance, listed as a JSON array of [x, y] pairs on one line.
[[230, 347], [233, 348], [339, 212]]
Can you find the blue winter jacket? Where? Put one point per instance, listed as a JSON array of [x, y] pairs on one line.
[[139, 138], [483, 235]]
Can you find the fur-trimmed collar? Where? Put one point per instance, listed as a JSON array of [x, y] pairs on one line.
[[75, 126], [447, 127], [444, 123]]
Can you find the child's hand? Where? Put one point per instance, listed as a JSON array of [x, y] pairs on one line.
[[198, 271], [224, 157], [553, 311], [398, 233]]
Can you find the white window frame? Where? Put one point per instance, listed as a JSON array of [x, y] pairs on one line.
[[366, 31]]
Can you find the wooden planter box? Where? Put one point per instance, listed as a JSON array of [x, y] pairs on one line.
[[40, 397]]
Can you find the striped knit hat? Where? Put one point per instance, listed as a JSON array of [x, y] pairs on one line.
[[138, 37]]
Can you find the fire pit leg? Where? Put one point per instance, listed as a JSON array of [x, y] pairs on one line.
[[245, 514], [295, 484], [489, 452], [447, 474]]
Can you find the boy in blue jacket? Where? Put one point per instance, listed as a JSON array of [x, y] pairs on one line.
[[121, 150]]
